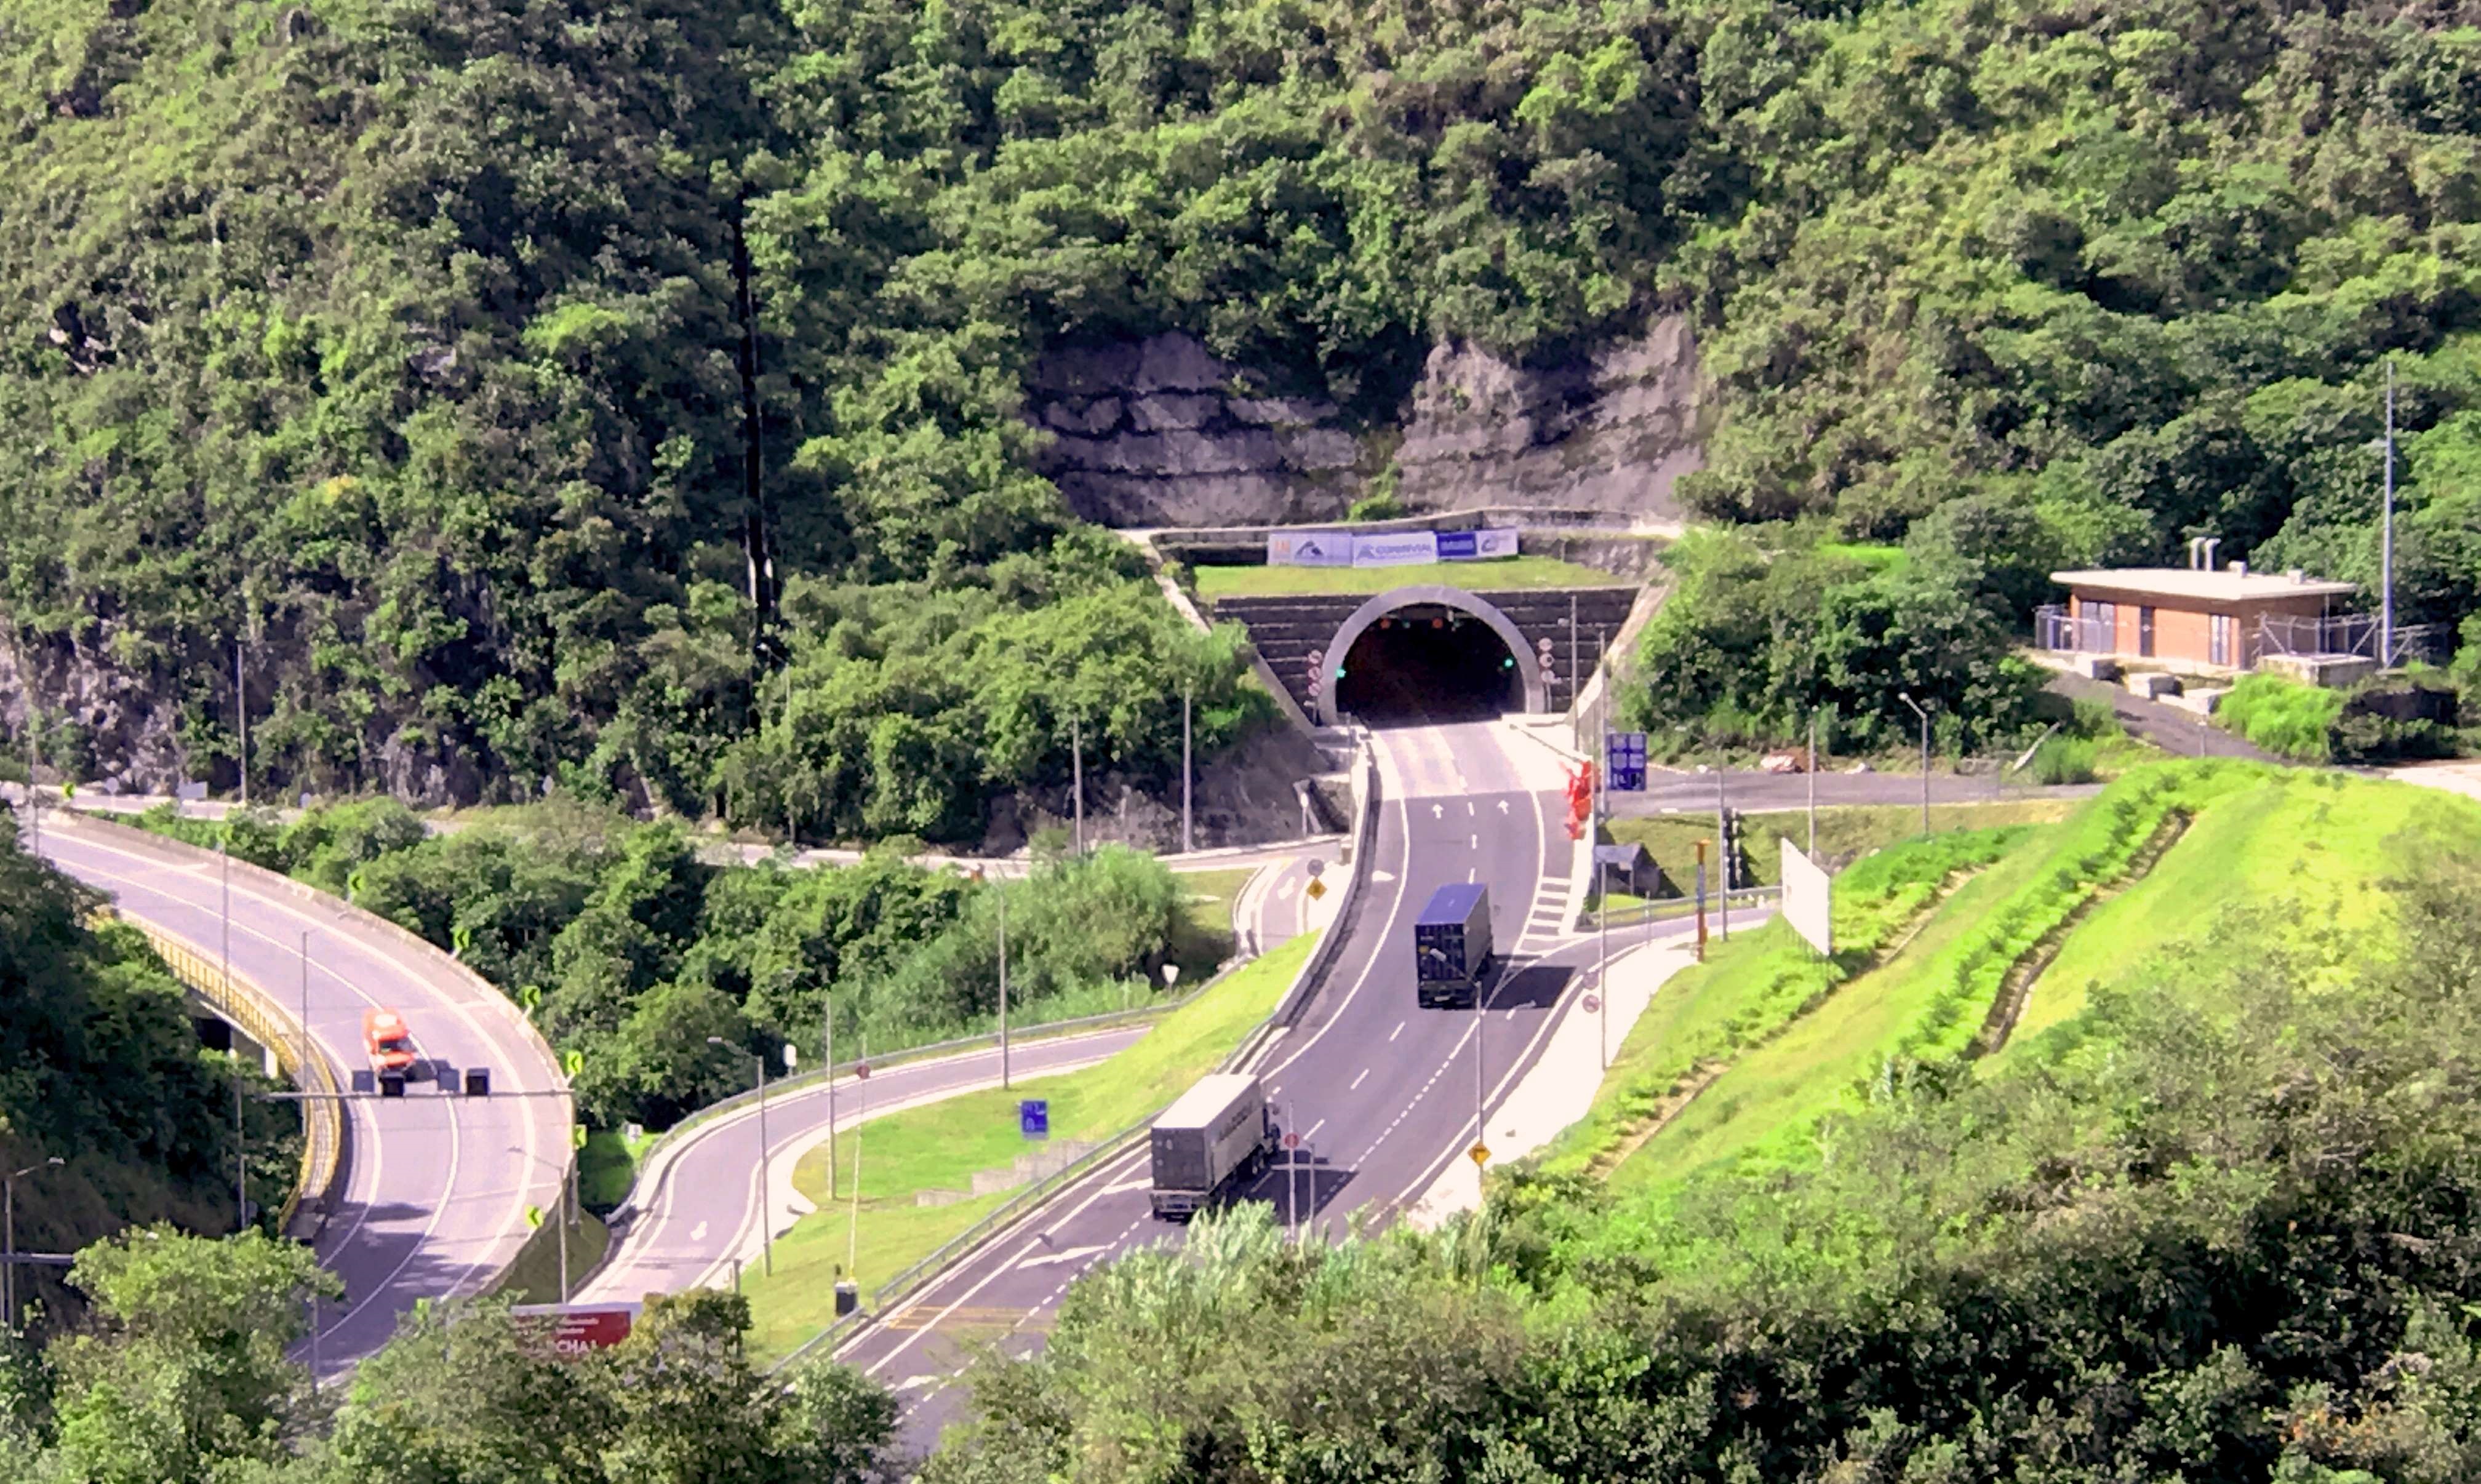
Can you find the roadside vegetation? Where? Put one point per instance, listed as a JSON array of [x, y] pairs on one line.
[[877, 1227], [100, 1068], [2387, 718], [2208, 1222], [625, 946]]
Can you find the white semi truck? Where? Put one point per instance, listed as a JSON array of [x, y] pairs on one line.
[[1217, 1136]]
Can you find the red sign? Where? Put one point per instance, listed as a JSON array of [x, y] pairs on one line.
[[577, 1328]]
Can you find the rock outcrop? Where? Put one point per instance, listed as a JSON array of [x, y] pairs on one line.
[[1161, 433]]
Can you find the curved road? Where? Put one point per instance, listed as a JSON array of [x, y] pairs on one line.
[[435, 1187], [1384, 1093]]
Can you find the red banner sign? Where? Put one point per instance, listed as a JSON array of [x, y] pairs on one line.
[[577, 1328]]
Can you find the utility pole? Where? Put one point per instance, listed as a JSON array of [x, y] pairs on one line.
[[1000, 888], [1812, 784], [1187, 839], [1076, 776], [852, 1229], [2386, 561], [1602, 973], [1573, 679], [34, 758], [829, 1002], [791, 837], [241, 1157], [241, 702], [1723, 839]]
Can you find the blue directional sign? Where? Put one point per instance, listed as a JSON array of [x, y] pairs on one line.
[[1624, 761], [1033, 1118]]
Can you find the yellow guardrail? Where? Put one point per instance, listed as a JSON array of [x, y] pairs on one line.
[[259, 1015]]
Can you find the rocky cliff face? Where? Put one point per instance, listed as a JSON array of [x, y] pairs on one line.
[[1163, 433]]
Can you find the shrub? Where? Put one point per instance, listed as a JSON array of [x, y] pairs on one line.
[[2064, 760], [2284, 716]]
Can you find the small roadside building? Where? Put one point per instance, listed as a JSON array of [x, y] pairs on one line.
[[2226, 619]]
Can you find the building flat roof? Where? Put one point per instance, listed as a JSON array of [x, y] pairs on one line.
[[2211, 586]]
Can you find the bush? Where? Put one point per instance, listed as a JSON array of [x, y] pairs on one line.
[[2064, 760], [2284, 716]]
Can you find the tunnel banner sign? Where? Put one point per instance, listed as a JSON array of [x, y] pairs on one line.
[[1403, 549], [1309, 548], [1477, 545]]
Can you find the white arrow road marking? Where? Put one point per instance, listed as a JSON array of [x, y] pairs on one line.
[[1283, 893], [1438, 811], [1126, 1185], [926, 1378], [1502, 806], [1067, 1255], [1381, 875], [697, 1232]]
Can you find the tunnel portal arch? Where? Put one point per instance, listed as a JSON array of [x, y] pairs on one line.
[[1528, 667]]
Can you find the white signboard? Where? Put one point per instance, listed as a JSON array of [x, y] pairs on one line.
[[1309, 548], [1809, 900], [1403, 549]]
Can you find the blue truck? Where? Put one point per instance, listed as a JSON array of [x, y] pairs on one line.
[[1451, 945]]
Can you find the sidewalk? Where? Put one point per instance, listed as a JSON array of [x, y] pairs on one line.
[[1560, 1086]]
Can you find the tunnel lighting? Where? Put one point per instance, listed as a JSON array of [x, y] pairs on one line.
[[1507, 661], [1339, 672]]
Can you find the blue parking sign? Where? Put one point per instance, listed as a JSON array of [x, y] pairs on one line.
[[1033, 1118], [1624, 761]]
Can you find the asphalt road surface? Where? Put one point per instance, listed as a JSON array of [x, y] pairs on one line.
[[435, 1187], [1385, 1094], [700, 1209]]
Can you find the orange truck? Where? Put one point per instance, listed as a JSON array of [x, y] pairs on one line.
[[388, 1040]]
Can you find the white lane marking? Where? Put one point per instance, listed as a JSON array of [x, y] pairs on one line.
[[998, 1270], [1369, 971], [1471, 874], [1476, 842], [1283, 893], [1311, 1131], [1398, 1030], [1068, 1254], [1358, 1081], [1468, 808]]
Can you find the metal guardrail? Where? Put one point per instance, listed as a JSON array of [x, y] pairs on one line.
[[800, 1081], [482, 992], [1677, 908], [1365, 776], [249, 1005]]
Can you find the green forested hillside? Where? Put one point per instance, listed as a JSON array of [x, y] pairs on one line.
[[526, 377]]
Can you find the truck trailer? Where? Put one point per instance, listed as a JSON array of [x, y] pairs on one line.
[[1451, 945], [1214, 1138]]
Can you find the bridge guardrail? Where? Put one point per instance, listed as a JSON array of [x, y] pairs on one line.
[[257, 1012], [477, 992]]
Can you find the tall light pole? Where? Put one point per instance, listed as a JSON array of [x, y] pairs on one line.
[[1602, 969], [1906, 697], [1188, 841], [999, 894], [827, 1011], [1723, 844], [567, 1208], [1077, 777], [2386, 558], [766, 1227], [8, 1261]]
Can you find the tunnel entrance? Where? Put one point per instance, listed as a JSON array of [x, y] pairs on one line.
[[1428, 663]]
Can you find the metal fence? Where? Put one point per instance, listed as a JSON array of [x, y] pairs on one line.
[[260, 1016], [2346, 635], [2055, 627]]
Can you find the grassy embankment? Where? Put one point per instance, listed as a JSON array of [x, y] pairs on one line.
[[1843, 833], [940, 1146], [2311, 851], [1505, 574]]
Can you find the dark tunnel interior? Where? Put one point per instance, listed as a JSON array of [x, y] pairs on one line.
[[1428, 664]]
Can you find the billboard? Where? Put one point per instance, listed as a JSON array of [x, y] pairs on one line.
[[1476, 545], [1309, 548], [577, 1328], [1408, 548], [1809, 898]]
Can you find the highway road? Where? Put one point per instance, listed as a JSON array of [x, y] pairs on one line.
[[698, 1202], [435, 1187], [1384, 1093]]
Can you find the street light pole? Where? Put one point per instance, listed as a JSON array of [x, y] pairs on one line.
[[241, 702], [1188, 841], [829, 1004], [2386, 561], [8, 1261], [766, 1227], [1907, 698], [1723, 842], [1076, 776], [1602, 972]]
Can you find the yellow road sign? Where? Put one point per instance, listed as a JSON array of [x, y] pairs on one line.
[[1317, 889], [1480, 1154]]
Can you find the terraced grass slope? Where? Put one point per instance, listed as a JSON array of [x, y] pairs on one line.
[[1730, 1067]]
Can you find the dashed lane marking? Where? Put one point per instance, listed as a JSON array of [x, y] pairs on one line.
[[1358, 1080]]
